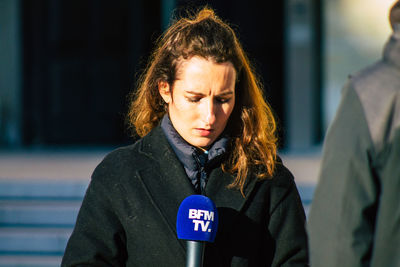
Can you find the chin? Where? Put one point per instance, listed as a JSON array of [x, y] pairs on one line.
[[201, 143], [204, 144]]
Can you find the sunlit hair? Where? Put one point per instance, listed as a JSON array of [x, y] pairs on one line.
[[251, 123]]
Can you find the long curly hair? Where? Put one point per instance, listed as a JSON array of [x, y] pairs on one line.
[[251, 123]]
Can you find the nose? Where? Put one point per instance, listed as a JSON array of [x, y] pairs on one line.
[[210, 113]]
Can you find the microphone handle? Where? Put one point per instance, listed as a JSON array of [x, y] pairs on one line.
[[195, 253]]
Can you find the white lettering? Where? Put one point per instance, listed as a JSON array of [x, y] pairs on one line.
[[209, 216], [196, 224], [198, 214], [204, 226], [193, 214]]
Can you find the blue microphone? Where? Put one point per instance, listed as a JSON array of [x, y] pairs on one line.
[[197, 222]]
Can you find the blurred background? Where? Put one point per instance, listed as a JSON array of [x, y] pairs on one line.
[[67, 67]]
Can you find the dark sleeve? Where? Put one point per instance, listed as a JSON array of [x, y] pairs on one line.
[[287, 223], [341, 220], [98, 237]]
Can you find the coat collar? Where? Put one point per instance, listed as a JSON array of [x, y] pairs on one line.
[[391, 52], [186, 153], [168, 184], [194, 161]]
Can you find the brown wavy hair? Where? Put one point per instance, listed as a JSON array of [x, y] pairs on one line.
[[251, 123]]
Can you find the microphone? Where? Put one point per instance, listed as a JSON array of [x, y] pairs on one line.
[[197, 222]]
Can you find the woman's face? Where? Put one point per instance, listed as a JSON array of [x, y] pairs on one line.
[[202, 99]]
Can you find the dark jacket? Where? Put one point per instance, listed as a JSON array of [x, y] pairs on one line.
[[355, 215], [128, 216]]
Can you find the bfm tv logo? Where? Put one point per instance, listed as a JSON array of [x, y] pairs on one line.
[[197, 215]]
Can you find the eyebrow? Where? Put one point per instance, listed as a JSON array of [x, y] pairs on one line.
[[201, 94]]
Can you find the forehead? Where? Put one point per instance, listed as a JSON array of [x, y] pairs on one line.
[[203, 74]]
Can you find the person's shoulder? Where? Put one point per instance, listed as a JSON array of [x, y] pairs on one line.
[[133, 152], [379, 78], [282, 176], [123, 161], [282, 179], [281, 187], [376, 88], [117, 159]]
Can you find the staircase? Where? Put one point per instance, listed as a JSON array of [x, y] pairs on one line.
[[37, 215], [36, 220]]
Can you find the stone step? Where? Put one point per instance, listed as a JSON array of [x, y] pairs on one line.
[[33, 240], [48, 213], [29, 261], [42, 189], [37, 218]]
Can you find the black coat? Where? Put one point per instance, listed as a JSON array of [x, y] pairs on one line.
[[128, 216]]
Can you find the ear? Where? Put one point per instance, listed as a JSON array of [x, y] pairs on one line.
[[165, 92]]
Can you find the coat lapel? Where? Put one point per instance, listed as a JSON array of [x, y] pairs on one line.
[[166, 180]]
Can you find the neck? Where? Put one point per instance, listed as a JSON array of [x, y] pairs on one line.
[[396, 27]]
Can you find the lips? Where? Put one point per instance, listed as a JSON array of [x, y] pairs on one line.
[[204, 132]]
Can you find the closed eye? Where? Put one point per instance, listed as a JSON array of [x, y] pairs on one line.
[[224, 100], [193, 99]]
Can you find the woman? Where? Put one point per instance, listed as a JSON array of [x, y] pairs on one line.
[[205, 129]]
